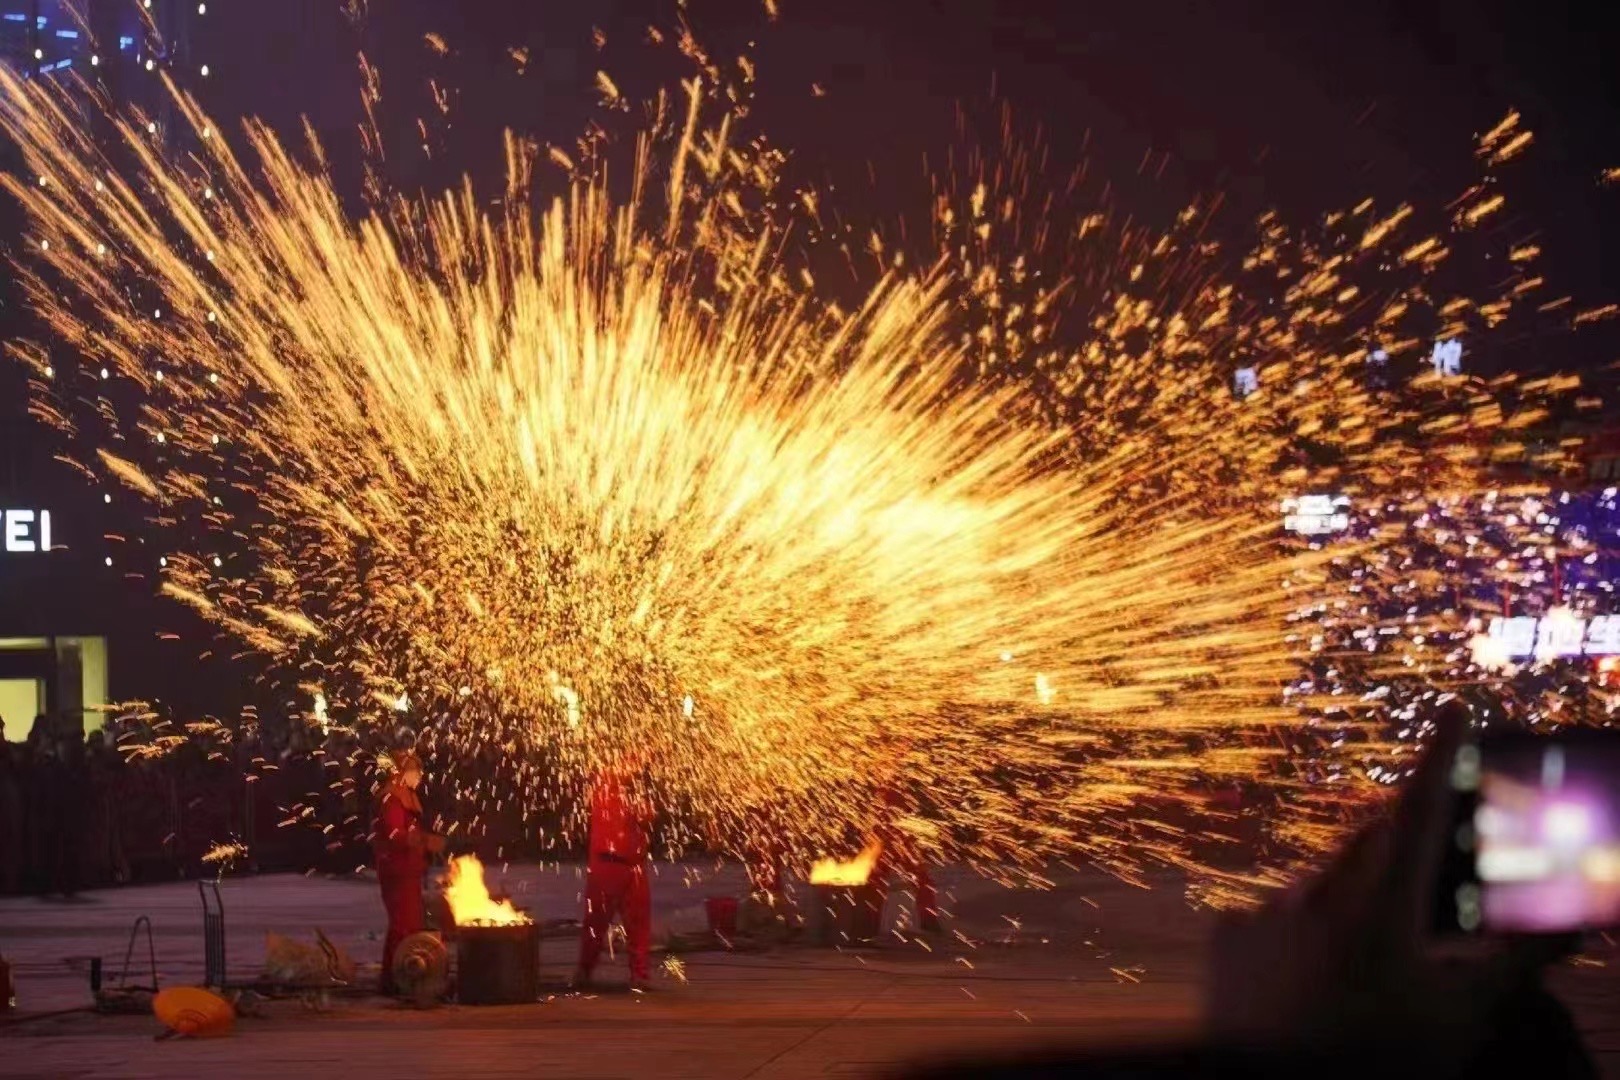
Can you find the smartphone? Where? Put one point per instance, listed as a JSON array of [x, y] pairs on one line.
[[1535, 842]]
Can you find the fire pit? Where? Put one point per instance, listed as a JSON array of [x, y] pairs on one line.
[[849, 904], [847, 915], [498, 965], [497, 946]]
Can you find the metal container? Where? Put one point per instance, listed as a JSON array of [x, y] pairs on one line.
[[847, 914], [498, 965], [722, 915]]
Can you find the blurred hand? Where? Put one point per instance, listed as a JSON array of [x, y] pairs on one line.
[[1345, 959]]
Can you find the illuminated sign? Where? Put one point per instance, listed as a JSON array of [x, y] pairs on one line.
[[25, 532], [1559, 634], [1316, 515]]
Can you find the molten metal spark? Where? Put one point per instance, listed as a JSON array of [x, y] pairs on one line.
[[985, 546]]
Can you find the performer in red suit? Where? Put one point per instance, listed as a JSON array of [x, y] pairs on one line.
[[899, 853], [402, 848], [616, 884]]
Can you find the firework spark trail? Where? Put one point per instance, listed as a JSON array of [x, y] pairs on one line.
[[605, 475]]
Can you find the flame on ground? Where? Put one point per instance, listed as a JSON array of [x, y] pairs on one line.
[[469, 899], [856, 871]]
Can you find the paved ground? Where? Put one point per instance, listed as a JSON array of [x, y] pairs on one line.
[[1093, 961]]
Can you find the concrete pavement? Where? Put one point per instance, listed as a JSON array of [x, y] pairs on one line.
[[1092, 962]]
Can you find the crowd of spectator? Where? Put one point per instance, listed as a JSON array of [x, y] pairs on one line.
[[58, 827], [92, 809], [146, 801]]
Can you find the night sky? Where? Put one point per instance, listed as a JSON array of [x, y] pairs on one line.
[[1306, 107], [1302, 106]]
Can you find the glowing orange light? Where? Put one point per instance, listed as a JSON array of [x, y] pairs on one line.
[[469, 899], [856, 871]]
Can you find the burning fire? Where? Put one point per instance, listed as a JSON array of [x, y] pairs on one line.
[[469, 898], [854, 872]]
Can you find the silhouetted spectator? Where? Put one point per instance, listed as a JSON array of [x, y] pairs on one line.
[[69, 809], [101, 848], [41, 823], [12, 836]]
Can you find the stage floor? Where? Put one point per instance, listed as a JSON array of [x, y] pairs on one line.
[[1093, 962]]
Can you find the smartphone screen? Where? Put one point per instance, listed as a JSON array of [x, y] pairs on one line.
[[1537, 836]]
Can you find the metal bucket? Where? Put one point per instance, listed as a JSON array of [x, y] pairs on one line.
[[847, 914], [498, 965], [722, 915]]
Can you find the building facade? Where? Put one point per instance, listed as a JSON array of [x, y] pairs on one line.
[[75, 602]]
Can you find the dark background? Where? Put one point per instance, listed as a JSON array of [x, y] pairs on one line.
[[1305, 107]]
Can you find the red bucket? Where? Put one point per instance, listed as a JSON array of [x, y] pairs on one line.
[[722, 913]]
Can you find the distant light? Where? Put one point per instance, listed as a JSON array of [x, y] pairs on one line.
[[1447, 357], [150, 63], [98, 185], [216, 440], [160, 437], [109, 560], [15, 16], [163, 560], [1567, 824], [218, 562], [107, 499], [151, 128], [44, 245], [104, 374], [208, 193], [39, 54], [160, 376], [213, 377], [125, 43], [202, 9], [67, 33], [101, 249], [204, 71], [50, 373], [146, 3], [43, 182]]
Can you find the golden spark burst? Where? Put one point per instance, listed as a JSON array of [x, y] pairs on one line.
[[593, 473]]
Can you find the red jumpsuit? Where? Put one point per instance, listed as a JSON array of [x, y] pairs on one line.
[[616, 878], [400, 847], [899, 855]]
